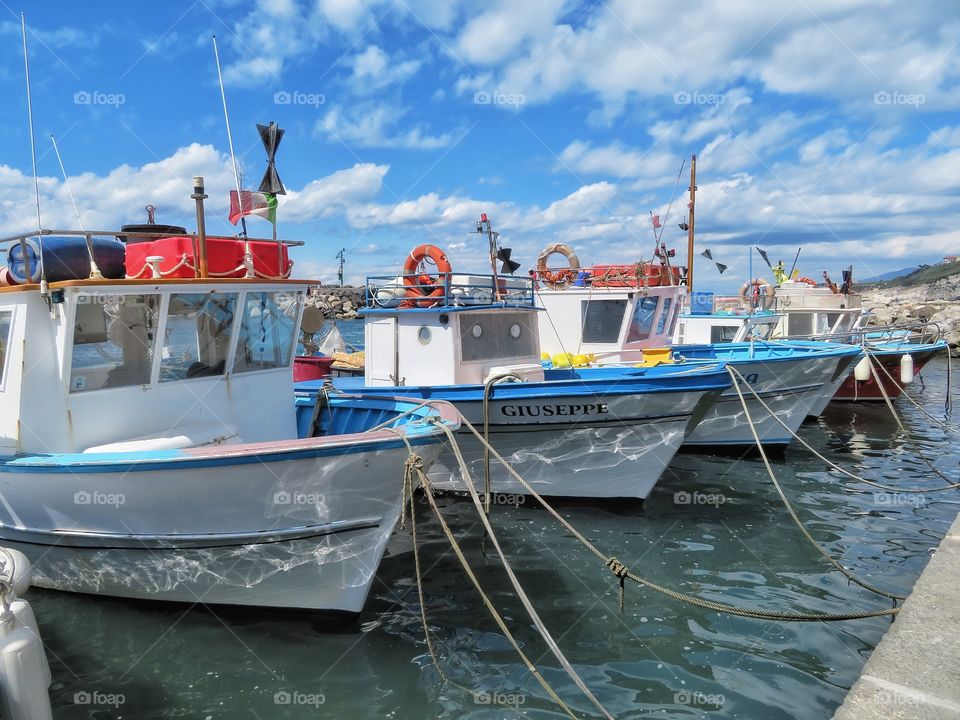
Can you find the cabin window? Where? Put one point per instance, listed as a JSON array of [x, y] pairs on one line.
[[723, 333], [664, 314], [268, 330], [642, 320], [601, 320], [114, 338], [6, 323], [800, 324], [197, 336], [497, 336]]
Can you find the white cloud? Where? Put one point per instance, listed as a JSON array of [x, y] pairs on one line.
[[335, 193], [374, 69], [371, 125]]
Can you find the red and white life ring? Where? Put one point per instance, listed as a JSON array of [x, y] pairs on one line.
[[753, 287], [418, 282]]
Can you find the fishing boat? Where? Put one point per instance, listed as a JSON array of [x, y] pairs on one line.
[[150, 443], [804, 310], [432, 333], [589, 320]]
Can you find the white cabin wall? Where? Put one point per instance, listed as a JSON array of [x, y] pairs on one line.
[[430, 364], [45, 421], [259, 405]]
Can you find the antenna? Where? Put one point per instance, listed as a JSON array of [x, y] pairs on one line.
[[44, 290], [690, 223], [226, 118], [94, 270], [33, 145], [66, 181]]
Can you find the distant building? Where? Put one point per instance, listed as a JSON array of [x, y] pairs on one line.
[[951, 258]]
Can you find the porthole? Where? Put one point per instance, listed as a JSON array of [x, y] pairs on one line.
[[423, 335], [515, 331], [477, 331]]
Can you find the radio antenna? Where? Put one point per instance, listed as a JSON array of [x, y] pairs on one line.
[[33, 145], [44, 290], [66, 181], [226, 118], [94, 270]]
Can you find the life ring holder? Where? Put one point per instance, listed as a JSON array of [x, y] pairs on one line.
[[559, 279], [747, 302], [417, 282]]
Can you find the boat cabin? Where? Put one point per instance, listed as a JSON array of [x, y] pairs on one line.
[[714, 328], [461, 330], [613, 323], [816, 311], [101, 365]]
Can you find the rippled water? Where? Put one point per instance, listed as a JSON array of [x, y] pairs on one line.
[[732, 542]]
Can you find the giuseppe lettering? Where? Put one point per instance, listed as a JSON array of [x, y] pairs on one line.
[[534, 411]]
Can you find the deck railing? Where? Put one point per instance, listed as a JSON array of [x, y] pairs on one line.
[[448, 290]]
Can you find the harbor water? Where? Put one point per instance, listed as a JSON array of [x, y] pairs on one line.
[[714, 528]]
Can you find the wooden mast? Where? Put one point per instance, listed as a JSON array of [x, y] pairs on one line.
[[693, 202]]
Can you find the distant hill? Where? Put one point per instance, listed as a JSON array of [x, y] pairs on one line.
[[923, 275], [893, 274]]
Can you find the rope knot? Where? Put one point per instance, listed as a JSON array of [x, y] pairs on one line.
[[616, 567], [413, 462]]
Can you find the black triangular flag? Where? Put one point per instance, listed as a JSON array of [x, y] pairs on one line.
[[270, 136], [707, 254], [721, 267], [765, 258]]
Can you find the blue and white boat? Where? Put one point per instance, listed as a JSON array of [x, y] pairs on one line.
[[456, 337], [150, 446], [623, 320]]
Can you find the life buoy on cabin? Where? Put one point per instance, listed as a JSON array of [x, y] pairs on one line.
[[807, 281], [750, 293], [418, 283], [558, 279]]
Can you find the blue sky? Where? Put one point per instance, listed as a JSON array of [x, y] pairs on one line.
[[831, 125]]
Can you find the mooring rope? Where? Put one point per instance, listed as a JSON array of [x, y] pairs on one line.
[[487, 391], [621, 571], [903, 428], [834, 465], [527, 604], [737, 377], [904, 393], [414, 465]]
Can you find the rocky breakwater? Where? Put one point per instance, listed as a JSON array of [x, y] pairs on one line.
[[937, 302], [337, 302]]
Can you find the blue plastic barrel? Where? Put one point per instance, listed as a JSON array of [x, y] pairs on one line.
[[65, 258]]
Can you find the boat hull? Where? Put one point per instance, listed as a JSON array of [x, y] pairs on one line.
[[791, 385], [302, 524], [869, 391], [584, 432], [620, 454]]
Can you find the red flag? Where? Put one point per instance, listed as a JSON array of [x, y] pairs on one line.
[[656, 222]]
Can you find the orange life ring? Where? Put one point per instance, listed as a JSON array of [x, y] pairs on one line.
[[558, 279], [417, 282], [809, 281]]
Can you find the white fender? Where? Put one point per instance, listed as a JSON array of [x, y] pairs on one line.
[[906, 369]]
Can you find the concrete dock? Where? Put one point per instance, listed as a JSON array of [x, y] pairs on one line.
[[914, 673]]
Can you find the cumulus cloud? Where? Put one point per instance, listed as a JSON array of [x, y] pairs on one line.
[[373, 125]]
